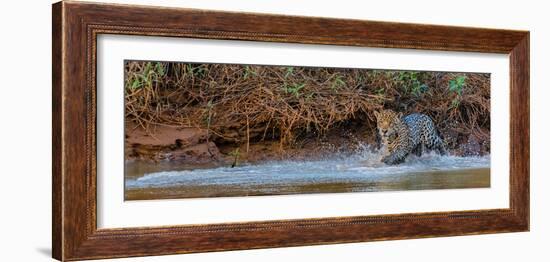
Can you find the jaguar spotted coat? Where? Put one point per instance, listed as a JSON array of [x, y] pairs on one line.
[[402, 136]]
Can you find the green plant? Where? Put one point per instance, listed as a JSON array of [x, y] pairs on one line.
[[235, 154], [208, 118], [361, 79], [337, 83], [135, 84], [148, 75], [457, 84], [289, 71], [209, 107], [160, 69], [455, 103], [248, 72], [294, 89], [198, 71], [411, 82]]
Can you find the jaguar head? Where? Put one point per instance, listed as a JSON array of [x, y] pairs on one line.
[[386, 120]]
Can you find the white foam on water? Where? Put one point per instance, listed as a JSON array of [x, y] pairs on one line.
[[363, 166]]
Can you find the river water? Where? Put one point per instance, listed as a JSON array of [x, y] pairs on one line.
[[360, 172]]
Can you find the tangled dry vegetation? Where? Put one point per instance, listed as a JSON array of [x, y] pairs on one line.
[[239, 103]]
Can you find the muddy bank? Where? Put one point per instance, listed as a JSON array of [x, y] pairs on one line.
[[170, 144], [189, 147], [185, 148]]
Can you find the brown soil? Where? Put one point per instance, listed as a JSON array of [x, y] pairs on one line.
[[190, 146]]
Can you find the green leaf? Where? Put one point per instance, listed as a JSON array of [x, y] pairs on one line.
[[289, 71], [135, 84], [294, 89], [248, 71], [148, 68], [457, 84], [456, 102], [338, 82], [160, 69]]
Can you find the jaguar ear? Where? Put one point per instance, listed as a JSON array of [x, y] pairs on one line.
[[376, 114]]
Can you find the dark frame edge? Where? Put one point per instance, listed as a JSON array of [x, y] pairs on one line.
[[520, 130], [57, 74]]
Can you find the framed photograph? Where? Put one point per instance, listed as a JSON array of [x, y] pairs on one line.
[[181, 130]]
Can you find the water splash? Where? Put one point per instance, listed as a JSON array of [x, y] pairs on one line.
[[362, 166]]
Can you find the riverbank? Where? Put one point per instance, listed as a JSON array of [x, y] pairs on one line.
[[169, 147], [214, 115]]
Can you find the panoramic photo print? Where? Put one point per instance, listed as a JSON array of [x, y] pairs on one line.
[[196, 130]]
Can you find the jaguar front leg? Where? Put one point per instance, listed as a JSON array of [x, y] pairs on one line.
[[418, 150], [394, 158]]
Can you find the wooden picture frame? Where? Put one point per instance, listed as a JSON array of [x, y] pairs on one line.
[[76, 26]]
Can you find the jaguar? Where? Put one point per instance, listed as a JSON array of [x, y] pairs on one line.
[[402, 135]]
